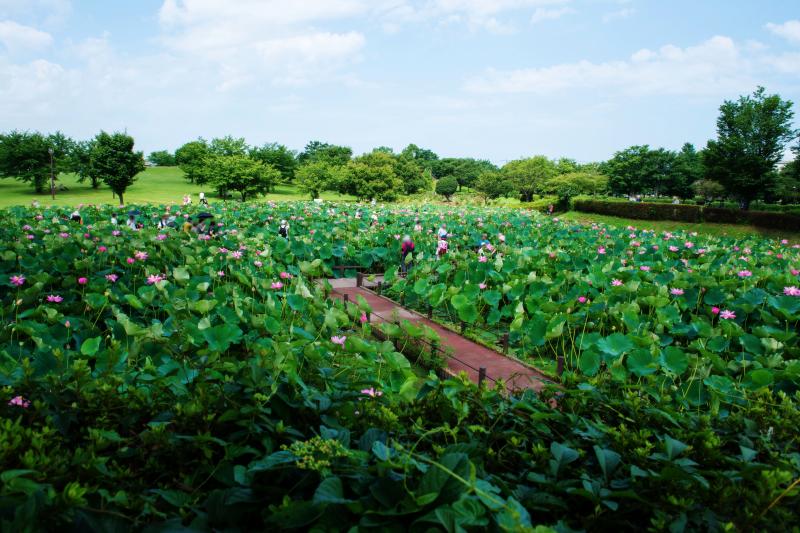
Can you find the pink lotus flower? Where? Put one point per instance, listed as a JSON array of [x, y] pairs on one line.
[[116, 233], [67, 324], [795, 272], [17, 281], [19, 401], [482, 259], [616, 282], [141, 256], [63, 235], [82, 281], [582, 299], [727, 315], [102, 249], [372, 393], [235, 254], [688, 244], [501, 237], [54, 298], [673, 248], [676, 292], [744, 274], [259, 264], [86, 235], [277, 285], [285, 275], [27, 227], [223, 250], [204, 237], [791, 291], [30, 237], [112, 278], [161, 236], [601, 251], [152, 279], [481, 286], [338, 340], [130, 260], [715, 310], [644, 268], [784, 241], [221, 273]]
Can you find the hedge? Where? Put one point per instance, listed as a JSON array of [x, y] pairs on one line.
[[690, 213]]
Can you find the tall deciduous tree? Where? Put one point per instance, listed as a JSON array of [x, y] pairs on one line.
[[114, 161], [241, 174], [162, 158], [279, 156], [447, 186], [315, 177], [529, 175], [25, 156], [371, 175], [190, 158], [492, 184], [328, 153], [80, 159], [752, 134]]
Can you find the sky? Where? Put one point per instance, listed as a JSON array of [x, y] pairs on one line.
[[493, 79]]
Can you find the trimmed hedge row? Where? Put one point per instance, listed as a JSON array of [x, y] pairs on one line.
[[690, 213]]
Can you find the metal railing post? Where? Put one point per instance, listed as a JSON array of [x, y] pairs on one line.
[[359, 279], [481, 376], [505, 343], [346, 298]]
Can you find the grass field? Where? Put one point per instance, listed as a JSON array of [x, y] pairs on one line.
[[156, 185], [730, 230]]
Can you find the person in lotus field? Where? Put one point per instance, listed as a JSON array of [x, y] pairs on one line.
[[283, 230], [441, 247], [203, 200], [406, 248]]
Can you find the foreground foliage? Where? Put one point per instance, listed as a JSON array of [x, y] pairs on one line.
[[156, 380]]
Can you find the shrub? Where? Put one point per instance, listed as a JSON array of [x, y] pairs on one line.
[[690, 213]]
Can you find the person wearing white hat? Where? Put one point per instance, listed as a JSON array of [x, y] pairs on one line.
[[283, 230]]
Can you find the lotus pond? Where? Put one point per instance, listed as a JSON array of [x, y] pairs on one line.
[[161, 381]]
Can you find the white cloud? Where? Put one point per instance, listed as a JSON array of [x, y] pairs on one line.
[[543, 13], [40, 12], [789, 30], [16, 37], [714, 66], [625, 12]]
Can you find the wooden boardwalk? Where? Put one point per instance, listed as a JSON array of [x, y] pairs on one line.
[[467, 356]]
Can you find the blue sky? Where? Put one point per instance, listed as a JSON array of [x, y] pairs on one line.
[[496, 79]]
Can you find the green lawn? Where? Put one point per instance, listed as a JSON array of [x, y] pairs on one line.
[[730, 230], [156, 185]]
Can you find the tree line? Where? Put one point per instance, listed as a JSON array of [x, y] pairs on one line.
[[753, 133]]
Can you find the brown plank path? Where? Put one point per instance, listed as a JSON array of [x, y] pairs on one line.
[[467, 356]]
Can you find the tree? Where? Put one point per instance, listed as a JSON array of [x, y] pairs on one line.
[[492, 184], [708, 189], [447, 187], [371, 175], [415, 178], [329, 153], [465, 170], [787, 184], [279, 156], [190, 158], [80, 159], [567, 186], [161, 158], [422, 156], [240, 173], [228, 145], [752, 133], [315, 177], [24, 156], [529, 175], [688, 169], [113, 161]]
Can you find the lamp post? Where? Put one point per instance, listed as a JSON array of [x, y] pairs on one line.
[[52, 177]]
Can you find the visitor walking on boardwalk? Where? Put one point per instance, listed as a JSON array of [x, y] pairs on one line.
[[406, 249]]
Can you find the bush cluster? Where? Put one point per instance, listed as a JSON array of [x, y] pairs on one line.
[[690, 213]]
